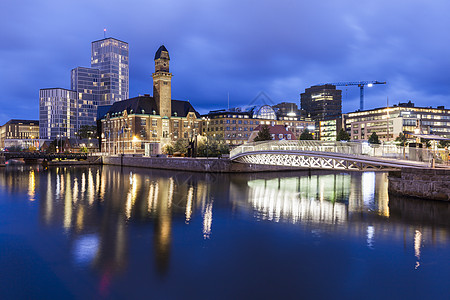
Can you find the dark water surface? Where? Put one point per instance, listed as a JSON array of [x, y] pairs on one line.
[[122, 233]]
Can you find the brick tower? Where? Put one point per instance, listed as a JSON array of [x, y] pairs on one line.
[[162, 82]]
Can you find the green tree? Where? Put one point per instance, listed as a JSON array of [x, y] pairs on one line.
[[426, 143], [342, 135], [263, 134], [86, 131], [443, 144], [306, 135], [168, 149], [212, 146], [401, 139], [181, 146], [373, 139], [14, 148], [52, 146]]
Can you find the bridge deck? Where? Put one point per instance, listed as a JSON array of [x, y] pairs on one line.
[[335, 155]]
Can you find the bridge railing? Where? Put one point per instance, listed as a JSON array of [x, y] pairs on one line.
[[388, 151]]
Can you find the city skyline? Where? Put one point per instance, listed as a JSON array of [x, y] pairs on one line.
[[282, 49]]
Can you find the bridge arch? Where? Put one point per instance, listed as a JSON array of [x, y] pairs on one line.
[[328, 155]]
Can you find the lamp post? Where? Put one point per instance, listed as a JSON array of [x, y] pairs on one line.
[[135, 140], [107, 139], [207, 136], [194, 144]]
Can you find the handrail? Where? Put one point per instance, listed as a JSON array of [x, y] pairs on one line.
[[440, 156]]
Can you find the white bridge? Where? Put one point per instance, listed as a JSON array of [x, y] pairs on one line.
[[338, 155]]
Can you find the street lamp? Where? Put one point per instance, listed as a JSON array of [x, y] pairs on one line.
[[207, 136], [135, 140]]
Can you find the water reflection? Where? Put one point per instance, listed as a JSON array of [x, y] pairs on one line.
[[321, 198], [99, 209]]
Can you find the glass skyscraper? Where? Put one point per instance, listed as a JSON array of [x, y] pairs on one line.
[[57, 111], [110, 56], [85, 82], [62, 112]]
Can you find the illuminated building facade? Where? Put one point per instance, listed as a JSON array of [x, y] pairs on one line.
[[110, 56], [20, 133], [105, 82], [284, 110], [402, 118], [328, 129], [322, 102], [85, 82], [129, 124], [236, 125], [57, 113]]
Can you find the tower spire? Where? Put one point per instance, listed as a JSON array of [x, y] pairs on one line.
[[162, 82]]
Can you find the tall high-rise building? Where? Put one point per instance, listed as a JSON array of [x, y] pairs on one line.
[[85, 82], [57, 111], [110, 56], [322, 102]]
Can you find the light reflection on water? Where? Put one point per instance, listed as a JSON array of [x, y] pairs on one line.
[[102, 210]]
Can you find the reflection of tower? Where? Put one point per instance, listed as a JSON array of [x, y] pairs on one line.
[[162, 239], [163, 226]]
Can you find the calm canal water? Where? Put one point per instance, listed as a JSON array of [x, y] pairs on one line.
[[122, 233]]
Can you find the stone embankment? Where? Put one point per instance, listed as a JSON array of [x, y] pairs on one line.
[[213, 165], [431, 184]]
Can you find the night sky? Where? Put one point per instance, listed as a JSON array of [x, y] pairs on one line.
[[236, 47]]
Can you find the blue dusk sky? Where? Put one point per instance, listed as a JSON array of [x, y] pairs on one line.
[[237, 47]]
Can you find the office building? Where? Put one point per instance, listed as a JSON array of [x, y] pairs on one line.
[[328, 130], [322, 102], [63, 112], [389, 122], [130, 124], [110, 56], [85, 82], [286, 110], [22, 134], [57, 113], [237, 124]]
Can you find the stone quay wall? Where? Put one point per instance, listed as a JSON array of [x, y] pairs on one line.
[[212, 165], [431, 184]]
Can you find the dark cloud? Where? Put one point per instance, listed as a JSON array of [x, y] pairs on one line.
[[230, 47]]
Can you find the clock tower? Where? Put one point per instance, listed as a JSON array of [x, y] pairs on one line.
[[162, 83]]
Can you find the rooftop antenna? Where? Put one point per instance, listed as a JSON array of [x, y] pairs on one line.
[[228, 100], [104, 33]]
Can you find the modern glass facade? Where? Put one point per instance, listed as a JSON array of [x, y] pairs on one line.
[[110, 56], [85, 82], [57, 113], [62, 112], [322, 102]]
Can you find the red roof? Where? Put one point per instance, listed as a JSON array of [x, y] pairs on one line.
[[277, 130]]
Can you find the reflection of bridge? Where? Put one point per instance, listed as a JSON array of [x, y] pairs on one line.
[[335, 155], [42, 155]]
